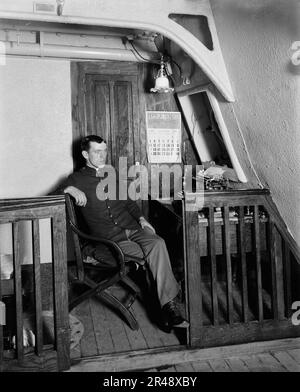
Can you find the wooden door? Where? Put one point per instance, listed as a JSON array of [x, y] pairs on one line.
[[112, 109], [108, 105]]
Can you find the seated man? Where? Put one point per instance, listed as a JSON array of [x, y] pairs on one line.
[[122, 221]]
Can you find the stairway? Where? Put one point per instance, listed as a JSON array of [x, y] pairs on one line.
[[237, 304]]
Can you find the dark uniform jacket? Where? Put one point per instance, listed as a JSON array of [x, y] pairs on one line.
[[104, 218]]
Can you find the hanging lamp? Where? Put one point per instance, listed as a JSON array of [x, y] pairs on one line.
[[162, 84]]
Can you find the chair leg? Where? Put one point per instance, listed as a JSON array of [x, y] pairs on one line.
[[90, 290], [144, 283], [130, 300], [111, 300], [130, 283]]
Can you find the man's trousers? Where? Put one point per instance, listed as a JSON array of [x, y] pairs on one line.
[[145, 243], [142, 243]]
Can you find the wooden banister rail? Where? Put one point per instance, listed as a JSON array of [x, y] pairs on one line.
[[44, 357], [238, 264]]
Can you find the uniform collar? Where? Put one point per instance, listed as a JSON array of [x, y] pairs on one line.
[[91, 171]]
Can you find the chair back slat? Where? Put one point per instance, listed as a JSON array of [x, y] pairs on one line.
[[73, 221]]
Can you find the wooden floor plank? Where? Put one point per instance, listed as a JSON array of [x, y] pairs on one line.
[[88, 343], [136, 338], [101, 327], [201, 366], [117, 331], [271, 363], [164, 339], [112, 334], [150, 332], [75, 353], [295, 353], [254, 364], [162, 358], [236, 365], [170, 369], [219, 365], [287, 361], [168, 339], [184, 367]]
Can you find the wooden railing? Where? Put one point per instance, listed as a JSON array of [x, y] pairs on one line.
[[240, 260], [41, 355]]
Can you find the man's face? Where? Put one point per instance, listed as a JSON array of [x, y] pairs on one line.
[[96, 156]]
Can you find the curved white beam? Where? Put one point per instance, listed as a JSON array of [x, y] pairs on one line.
[[138, 14]]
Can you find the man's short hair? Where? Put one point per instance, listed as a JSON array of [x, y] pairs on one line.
[[85, 142]]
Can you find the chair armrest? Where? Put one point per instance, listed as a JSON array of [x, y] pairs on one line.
[[109, 243]]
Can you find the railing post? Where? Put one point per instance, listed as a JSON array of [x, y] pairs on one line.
[[279, 274], [18, 291], [228, 265], [242, 252], [213, 266], [287, 280], [193, 276], [277, 271], [60, 289], [257, 251], [37, 286]]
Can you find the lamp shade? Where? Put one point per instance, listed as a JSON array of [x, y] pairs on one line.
[[162, 84]]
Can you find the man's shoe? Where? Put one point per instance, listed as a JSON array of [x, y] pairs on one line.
[[173, 315]]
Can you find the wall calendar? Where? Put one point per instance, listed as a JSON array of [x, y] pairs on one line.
[[163, 137]]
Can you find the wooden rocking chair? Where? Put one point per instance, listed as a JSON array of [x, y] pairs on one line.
[[90, 279]]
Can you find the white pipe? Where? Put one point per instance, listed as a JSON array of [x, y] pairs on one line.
[[66, 51]]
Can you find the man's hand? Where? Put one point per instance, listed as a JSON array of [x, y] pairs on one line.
[[78, 195], [144, 223]]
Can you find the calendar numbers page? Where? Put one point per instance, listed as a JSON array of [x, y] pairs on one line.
[[164, 144]]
